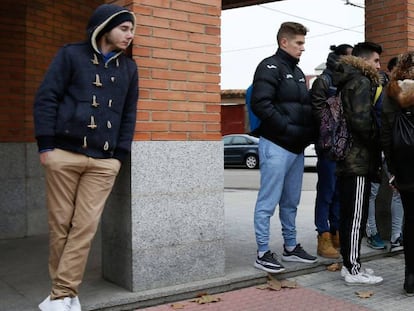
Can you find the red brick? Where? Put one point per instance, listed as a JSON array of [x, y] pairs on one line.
[[186, 127], [388, 26], [169, 116], [177, 48], [169, 136]]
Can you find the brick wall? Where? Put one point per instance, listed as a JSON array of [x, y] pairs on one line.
[[12, 78], [177, 48], [31, 33], [391, 24]]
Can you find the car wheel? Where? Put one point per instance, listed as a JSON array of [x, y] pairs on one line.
[[251, 161]]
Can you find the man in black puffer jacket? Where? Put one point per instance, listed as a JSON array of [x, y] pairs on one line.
[[281, 101]]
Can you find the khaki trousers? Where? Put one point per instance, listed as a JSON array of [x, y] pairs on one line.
[[77, 188]]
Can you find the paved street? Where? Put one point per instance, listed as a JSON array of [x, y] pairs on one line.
[[321, 291], [241, 178], [24, 279]]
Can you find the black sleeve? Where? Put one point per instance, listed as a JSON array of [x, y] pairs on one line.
[[389, 111], [265, 87], [319, 95]]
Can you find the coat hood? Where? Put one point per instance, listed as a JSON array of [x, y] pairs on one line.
[[101, 17], [402, 91], [401, 86], [350, 66]]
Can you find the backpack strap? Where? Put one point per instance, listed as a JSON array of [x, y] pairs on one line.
[[332, 90], [377, 104], [377, 95]]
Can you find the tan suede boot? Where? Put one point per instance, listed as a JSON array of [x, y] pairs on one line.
[[335, 240], [325, 247]]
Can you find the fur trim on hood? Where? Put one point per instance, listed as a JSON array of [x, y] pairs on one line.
[[402, 91], [361, 65], [401, 86]]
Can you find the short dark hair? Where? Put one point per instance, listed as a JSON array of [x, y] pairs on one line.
[[290, 29], [392, 63], [365, 49], [341, 49]]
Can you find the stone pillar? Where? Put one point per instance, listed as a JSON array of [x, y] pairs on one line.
[[169, 229], [164, 222]]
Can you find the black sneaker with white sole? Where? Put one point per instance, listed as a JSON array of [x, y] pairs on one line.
[[269, 263], [397, 245], [298, 255]]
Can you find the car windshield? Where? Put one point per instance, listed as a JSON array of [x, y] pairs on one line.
[[240, 140]]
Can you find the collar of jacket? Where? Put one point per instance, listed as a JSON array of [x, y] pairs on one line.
[[292, 61], [359, 64], [402, 91]]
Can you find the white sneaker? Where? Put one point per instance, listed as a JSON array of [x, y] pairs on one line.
[[345, 272], [76, 306], [55, 305], [362, 279]]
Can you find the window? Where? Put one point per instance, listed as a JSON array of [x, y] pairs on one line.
[[240, 140]]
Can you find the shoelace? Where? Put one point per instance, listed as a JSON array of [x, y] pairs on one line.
[[274, 257], [299, 249]]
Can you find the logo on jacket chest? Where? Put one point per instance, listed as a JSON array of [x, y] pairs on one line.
[[289, 76]]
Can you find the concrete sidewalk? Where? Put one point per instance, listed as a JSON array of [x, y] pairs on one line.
[[24, 278], [322, 291]]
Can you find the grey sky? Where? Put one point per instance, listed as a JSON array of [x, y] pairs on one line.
[[249, 34]]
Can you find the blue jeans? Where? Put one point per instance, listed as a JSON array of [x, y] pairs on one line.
[[281, 174], [327, 196], [397, 213]]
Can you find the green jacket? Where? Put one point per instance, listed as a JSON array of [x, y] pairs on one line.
[[357, 82]]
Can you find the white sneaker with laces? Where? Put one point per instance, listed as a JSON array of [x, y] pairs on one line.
[[345, 272], [362, 279], [56, 305], [76, 306]]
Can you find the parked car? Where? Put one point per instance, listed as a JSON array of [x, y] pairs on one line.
[[241, 149], [310, 157]]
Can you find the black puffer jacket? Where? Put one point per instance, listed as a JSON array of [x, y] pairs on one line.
[[281, 101], [400, 97]]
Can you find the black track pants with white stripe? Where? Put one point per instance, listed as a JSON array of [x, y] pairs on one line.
[[354, 199]]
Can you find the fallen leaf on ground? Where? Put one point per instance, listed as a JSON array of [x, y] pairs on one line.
[[334, 267], [288, 284], [364, 294], [263, 286], [275, 284], [206, 299], [177, 306]]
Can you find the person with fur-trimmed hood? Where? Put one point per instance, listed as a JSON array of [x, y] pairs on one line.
[[84, 117], [327, 194], [357, 78], [400, 99]]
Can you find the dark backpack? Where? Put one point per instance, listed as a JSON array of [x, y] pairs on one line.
[[254, 121], [334, 138], [403, 146]]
